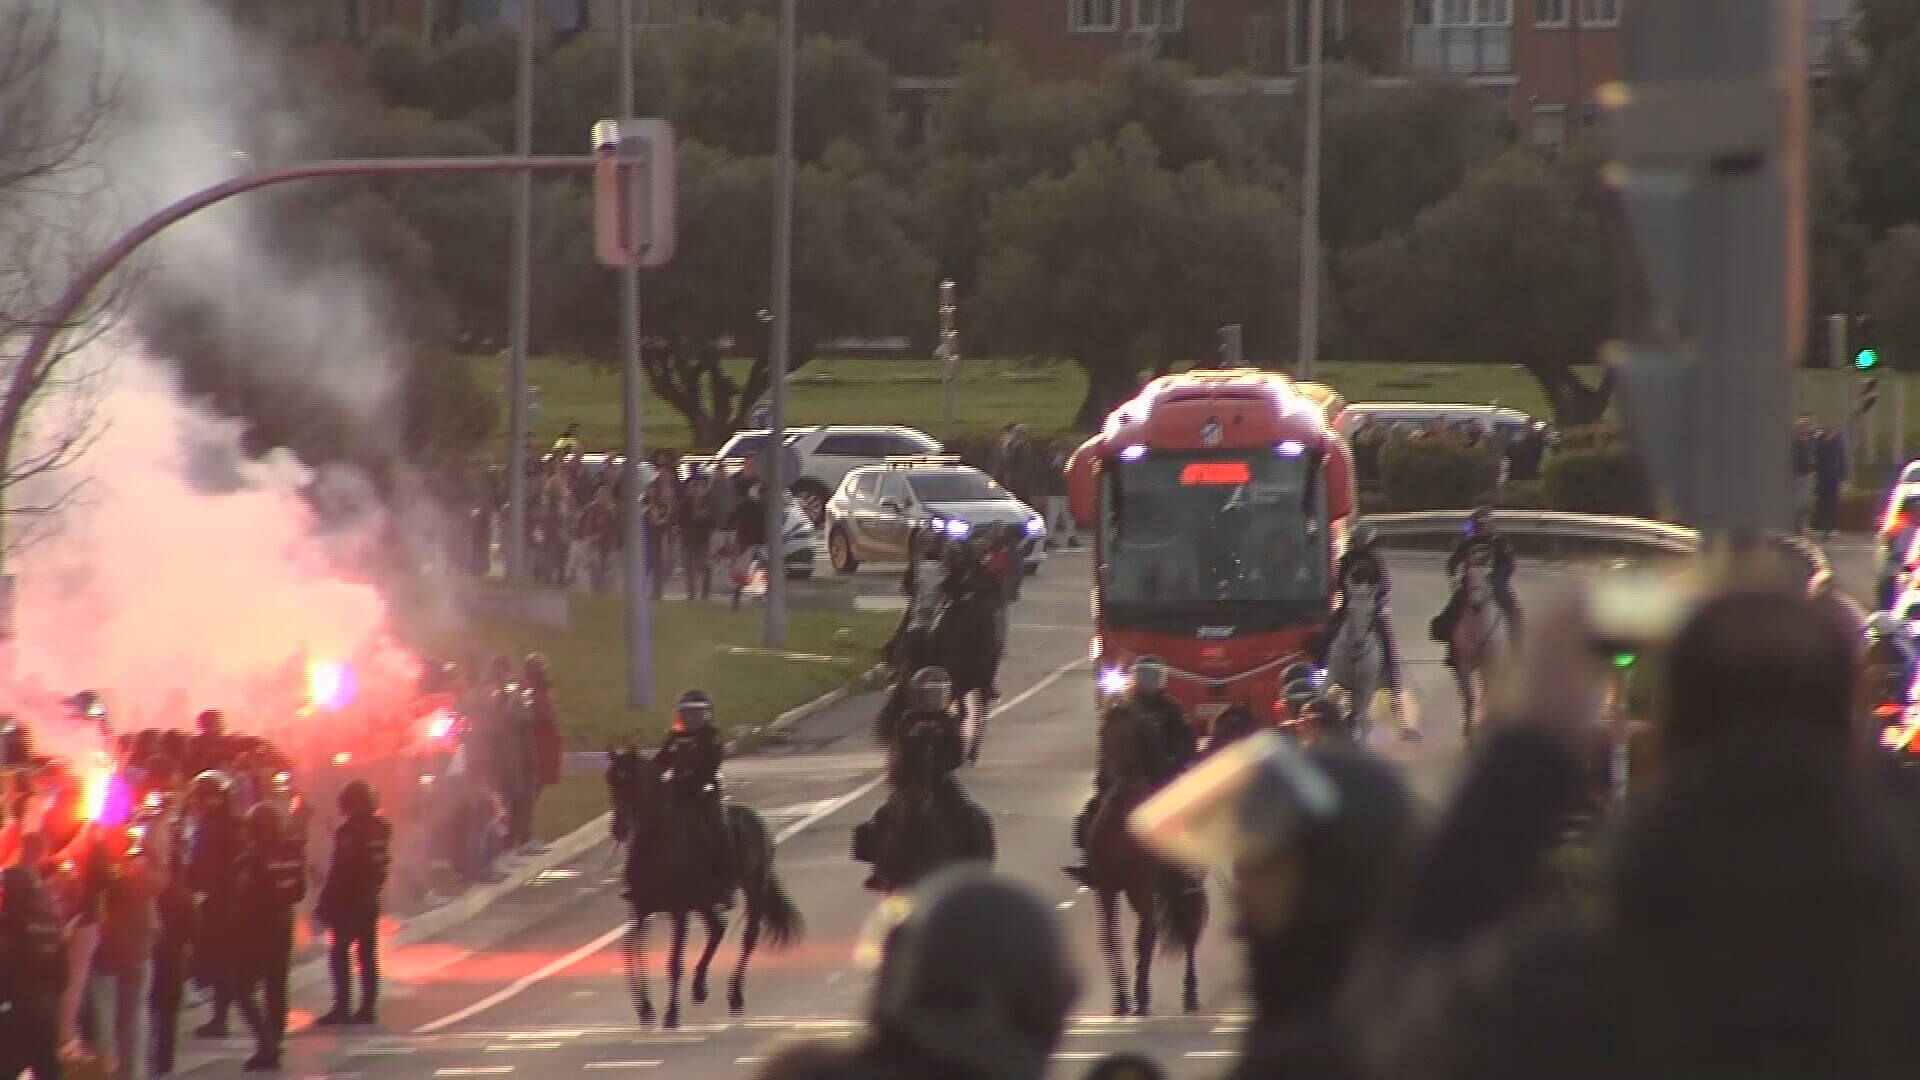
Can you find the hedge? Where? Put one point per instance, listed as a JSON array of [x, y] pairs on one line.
[[1596, 472], [1436, 472]]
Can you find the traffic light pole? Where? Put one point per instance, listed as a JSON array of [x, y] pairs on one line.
[[1710, 139]]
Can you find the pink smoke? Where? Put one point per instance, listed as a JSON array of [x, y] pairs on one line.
[[189, 576]]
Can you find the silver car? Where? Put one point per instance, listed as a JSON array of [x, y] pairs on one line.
[[876, 507]]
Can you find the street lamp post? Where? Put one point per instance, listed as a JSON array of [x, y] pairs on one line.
[[519, 304], [773, 482], [949, 352], [1309, 350], [639, 592]]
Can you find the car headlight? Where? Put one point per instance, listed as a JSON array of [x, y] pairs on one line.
[[959, 529], [1035, 526]]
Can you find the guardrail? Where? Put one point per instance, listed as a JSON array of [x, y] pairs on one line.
[[1546, 524]]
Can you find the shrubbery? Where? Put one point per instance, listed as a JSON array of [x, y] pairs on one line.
[[1595, 471], [1436, 472]]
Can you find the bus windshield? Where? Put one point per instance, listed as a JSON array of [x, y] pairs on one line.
[[1217, 539]]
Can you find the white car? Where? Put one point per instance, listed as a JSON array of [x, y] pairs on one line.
[[823, 456]]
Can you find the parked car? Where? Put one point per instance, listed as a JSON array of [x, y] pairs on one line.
[[822, 456], [877, 506]]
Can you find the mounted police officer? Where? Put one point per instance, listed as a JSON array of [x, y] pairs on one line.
[[1481, 542], [1891, 654], [213, 858], [1157, 718], [349, 902], [272, 882], [974, 982], [1363, 571], [32, 971], [690, 760], [924, 758]]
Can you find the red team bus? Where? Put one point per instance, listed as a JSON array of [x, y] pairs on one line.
[[1219, 503]]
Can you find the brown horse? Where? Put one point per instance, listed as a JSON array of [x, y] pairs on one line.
[[1161, 896]]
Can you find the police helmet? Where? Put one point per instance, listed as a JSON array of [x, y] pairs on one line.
[[1325, 712], [1299, 671], [1149, 675], [932, 689], [357, 798], [973, 973], [535, 669], [210, 787], [694, 710], [1297, 694], [16, 744], [1364, 538], [1480, 520], [88, 703]]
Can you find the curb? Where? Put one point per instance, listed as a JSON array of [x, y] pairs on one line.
[[755, 737]]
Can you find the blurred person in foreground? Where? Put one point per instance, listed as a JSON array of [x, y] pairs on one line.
[[1754, 909], [1315, 841], [974, 982], [32, 970]]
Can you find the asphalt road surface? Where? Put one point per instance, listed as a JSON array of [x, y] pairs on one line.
[[535, 986]]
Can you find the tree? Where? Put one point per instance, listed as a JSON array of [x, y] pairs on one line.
[[1125, 266], [56, 105], [1886, 135], [1893, 276], [912, 37], [1837, 243], [1512, 268], [855, 271]]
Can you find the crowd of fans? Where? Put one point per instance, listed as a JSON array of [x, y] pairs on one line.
[[1748, 911]]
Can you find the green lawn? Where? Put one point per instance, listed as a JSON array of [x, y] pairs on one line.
[[589, 669], [1045, 396]]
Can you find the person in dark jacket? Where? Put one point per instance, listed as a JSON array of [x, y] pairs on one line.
[[691, 758], [749, 526], [349, 903], [1480, 541], [32, 971], [974, 983], [1177, 746], [1755, 913], [213, 857], [272, 882]]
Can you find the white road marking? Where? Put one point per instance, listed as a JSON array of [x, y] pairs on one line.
[[622, 1065], [748, 1060], [1078, 1055], [1211, 1055], [481, 1070], [516, 1047], [820, 813]]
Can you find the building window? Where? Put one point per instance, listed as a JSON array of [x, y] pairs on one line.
[[1462, 37], [1550, 13], [1549, 126], [1299, 22], [1095, 15], [1599, 12], [1163, 15]]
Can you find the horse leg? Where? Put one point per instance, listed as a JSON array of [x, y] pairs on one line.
[[1463, 680], [1190, 993], [637, 968], [1110, 944], [676, 965], [716, 932], [1146, 936], [749, 940], [976, 704]]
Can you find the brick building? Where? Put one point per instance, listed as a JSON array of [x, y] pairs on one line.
[[1543, 59]]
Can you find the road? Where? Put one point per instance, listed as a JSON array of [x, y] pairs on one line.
[[534, 987]]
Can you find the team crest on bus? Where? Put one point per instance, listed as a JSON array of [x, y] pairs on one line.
[[1212, 432]]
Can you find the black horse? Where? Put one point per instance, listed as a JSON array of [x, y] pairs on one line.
[[667, 873], [928, 823], [962, 640]]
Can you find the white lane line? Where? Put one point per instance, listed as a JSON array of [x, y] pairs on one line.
[[477, 1070], [622, 1065], [820, 813], [748, 1060], [1210, 1055], [516, 1047], [1078, 1055]]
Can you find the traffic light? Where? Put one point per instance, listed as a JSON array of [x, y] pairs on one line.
[[1867, 354]]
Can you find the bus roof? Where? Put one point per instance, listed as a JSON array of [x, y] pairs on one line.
[[1200, 409]]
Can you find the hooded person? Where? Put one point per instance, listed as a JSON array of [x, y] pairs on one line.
[[974, 982], [1755, 908], [1314, 841]]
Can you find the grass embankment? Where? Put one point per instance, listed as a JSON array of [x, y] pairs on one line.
[[825, 650]]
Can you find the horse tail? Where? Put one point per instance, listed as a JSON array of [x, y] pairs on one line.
[[767, 897], [1184, 906]]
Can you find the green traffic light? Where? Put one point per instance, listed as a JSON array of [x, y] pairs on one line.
[[1867, 359], [1624, 660]]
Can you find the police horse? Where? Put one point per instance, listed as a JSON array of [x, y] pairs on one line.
[[1357, 660], [666, 873], [1480, 638], [962, 641], [1169, 905]]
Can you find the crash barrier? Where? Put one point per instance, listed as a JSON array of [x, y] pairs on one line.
[[1544, 525]]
